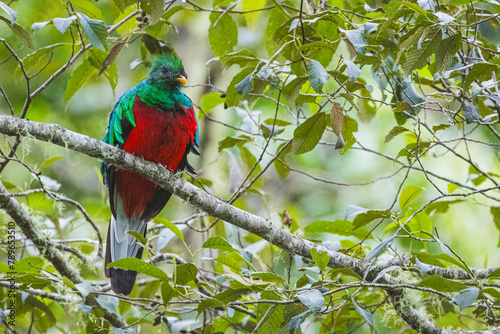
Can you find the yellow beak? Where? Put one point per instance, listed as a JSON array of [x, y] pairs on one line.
[[182, 80]]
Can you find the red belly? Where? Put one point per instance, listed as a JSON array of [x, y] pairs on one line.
[[161, 137]]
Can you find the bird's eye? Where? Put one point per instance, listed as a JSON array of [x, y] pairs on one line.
[[164, 69]]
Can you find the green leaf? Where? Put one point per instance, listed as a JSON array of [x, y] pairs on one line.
[[367, 217], [316, 45], [281, 168], [84, 288], [95, 31], [62, 24], [276, 18], [12, 13], [276, 122], [356, 40], [218, 242], [308, 134], [210, 101], [241, 57], [416, 8], [167, 292], [89, 8], [466, 297], [495, 273], [154, 9], [492, 292], [402, 106], [232, 96], [292, 89], [39, 25], [313, 300], [33, 302], [232, 141], [408, 195], [353, 71], [475, 176], [139, 237], [233, 261], [338, 227], [365, 314], [32, 60], [304, 98], [439, 127], [444, 19], [417, 56], [97, 58], [253, 17], [410, 95], [409, 40], [268, 277], [244, 86], [353, 211], [318, 76], [122, 4], [9, 186], [495, 212], [412, 149], [132, 263], [172, 227], [350, 127], [441, 207], [422, 267], [444, 248], [447, 49], [441, 284], [272, 320], [19, 31], [397, 130], [209, 303], [471, 113], [50, 161], [28, 265], [385, 271], [222, 34], [421, 222], [379, 249], [320, 258], [297, 320], [155, 46], [80, 76], [480, 72], [231, 295], [249, 162], [185, 273]]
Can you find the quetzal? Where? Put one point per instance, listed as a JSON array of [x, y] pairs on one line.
[[156, 121]]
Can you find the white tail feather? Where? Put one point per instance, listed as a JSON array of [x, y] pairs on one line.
[[122, 244]]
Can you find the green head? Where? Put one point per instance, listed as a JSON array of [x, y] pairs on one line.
[[167, 71]]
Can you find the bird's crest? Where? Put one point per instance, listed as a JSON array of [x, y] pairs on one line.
[[170, 60]]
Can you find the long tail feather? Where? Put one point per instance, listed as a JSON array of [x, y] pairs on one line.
[[121, 245]]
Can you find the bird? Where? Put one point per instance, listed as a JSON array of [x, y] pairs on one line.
[[156, 121]]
